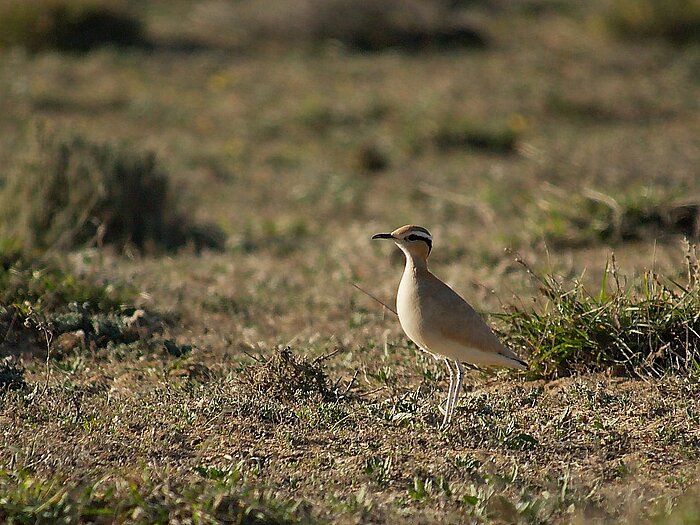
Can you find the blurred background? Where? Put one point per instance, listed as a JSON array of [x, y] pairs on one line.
[[293, 131], [567, 122]]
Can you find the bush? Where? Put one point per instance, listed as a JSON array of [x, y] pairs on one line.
[[66, 192], [371, 158], [69, 25], [47, 287], [287, 377], [646, 328], [676, 21]]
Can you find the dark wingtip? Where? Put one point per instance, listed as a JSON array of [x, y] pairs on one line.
[[524, 363]]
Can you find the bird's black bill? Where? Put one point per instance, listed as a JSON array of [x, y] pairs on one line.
[[382, 236]]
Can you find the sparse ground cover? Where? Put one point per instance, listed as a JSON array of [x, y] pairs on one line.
[[558, 137]]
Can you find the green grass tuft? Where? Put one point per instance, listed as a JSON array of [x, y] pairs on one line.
[[43, 301], [11, 375], [47, 286], [646, 327], [25, 498]]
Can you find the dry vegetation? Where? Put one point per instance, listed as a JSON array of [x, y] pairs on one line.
[[144, 380]]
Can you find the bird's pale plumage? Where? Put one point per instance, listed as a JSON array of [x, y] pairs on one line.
[[438, 320]]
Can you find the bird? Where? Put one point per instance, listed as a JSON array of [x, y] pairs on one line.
[[438, 320]]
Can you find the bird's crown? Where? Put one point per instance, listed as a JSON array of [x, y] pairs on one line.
[[411, 232], [407, 235]]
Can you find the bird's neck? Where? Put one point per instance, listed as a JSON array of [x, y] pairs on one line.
[[415, 263]]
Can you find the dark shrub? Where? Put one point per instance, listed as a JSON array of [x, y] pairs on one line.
[[676, 21], [367, 25], [77, 25], [465, 134], [66, 192]]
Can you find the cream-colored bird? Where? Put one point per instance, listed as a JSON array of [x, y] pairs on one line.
[[438, 320]]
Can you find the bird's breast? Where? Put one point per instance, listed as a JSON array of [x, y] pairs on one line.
[[411, 315]]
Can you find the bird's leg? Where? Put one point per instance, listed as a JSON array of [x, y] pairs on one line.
[[449, 393], [458, 388]]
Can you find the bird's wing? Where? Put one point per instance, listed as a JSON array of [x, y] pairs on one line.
[[460, 323]]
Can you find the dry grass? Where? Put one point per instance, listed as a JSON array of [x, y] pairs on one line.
[[284, 377], [187, 426]]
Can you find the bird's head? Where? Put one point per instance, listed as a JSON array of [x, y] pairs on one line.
[[415, 241]]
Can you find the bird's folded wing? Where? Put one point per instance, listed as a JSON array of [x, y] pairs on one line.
[[460, 323]]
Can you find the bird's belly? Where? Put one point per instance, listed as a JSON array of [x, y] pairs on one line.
[[423, 334], [438, 344]]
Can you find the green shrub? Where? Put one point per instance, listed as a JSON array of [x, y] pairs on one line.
[[47, 287], [69, 25], [676, 21], [648, 327], [39, 300], [66, 192]]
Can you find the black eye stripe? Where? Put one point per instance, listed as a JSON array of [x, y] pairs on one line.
[[413, 237], [426, 240]]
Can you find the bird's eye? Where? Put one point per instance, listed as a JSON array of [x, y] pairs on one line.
[[413, 237]]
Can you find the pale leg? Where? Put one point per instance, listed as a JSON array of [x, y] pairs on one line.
[[448, 405], [458, 388]]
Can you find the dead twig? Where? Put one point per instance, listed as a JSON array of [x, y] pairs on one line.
[[373, 297], [48, 336], [253, 357], [352, 381], [324, 357]]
